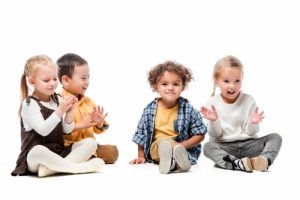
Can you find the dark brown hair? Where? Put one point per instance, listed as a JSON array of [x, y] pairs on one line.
[[67, 63], [156, 72]]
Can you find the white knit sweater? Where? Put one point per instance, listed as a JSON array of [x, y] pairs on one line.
[[233, 119]]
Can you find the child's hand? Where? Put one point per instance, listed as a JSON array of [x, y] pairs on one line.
[[99, 117], [74, 102], [140, 160], [257, 117], [87, 121], [69, 103], [65, 105], [208, 114]]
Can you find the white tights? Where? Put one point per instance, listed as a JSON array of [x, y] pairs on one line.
[[40, 158]]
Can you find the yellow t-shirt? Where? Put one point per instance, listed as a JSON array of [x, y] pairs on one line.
[[85, 106], [164, 122]]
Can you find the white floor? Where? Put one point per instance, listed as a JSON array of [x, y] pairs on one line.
[[122, 40], [124, 181]]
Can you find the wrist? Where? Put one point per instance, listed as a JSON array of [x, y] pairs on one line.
[[99, 127]]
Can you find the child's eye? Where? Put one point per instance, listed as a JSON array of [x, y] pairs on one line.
[[238, 80], [226, 81], [46, 80]]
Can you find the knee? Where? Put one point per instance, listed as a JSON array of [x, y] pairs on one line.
[[276, 137], [91, 143], [207, 147], [36, 152]]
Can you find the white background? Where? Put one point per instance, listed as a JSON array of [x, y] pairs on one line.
[[122, 40]]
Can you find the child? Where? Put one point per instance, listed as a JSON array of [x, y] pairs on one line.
[[170, 129], [233, 122], [44, 118], [89, 119]]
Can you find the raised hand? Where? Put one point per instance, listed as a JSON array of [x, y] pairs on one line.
[[208, 114], [87, 121], [73, 104], [99, 117], [257, 117], [69, 103], [65, 105]]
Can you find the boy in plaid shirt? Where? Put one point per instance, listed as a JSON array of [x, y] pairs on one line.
[[170, 130]]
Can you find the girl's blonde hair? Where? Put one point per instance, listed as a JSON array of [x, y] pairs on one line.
[[227, 61], [156, 72], [31, 66]]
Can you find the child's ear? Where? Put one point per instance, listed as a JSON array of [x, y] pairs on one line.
[[65, 80], [215, 83], [31, 81]]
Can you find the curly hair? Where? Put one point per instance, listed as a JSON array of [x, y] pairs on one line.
[[156, 72]]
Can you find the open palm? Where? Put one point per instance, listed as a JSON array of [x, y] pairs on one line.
[[209, 114], [257, 117]]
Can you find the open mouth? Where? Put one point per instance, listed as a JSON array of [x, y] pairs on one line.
[[231, 92]]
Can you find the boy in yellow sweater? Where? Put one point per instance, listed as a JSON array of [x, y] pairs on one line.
[[89, 119]]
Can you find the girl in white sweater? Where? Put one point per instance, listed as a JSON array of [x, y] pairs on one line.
[[233, 123]]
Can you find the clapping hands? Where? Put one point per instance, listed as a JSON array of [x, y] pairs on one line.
[[95, 118]]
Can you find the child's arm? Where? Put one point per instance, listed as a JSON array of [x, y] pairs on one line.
[[34, 119], [193, 141], [68, 123], [141, 158]]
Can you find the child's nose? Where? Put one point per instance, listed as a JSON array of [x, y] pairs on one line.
[[170, 87], [231, 85]]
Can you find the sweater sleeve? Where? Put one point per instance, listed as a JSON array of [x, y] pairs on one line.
[[34, 119], [215, 129], [251, 129], [67, 128]]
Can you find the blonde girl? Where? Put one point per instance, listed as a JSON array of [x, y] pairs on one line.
[[233, 123]]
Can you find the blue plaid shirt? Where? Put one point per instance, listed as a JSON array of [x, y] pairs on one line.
[[188, 124]]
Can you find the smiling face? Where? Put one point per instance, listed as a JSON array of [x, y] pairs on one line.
[[44, 82], [79, 82], [169, 88], [229, 81]]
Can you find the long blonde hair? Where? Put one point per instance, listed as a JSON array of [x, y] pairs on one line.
[[227, 61], [31, 66]]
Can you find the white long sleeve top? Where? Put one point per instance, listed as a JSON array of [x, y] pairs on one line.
[[233, 119], [33, 118]]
